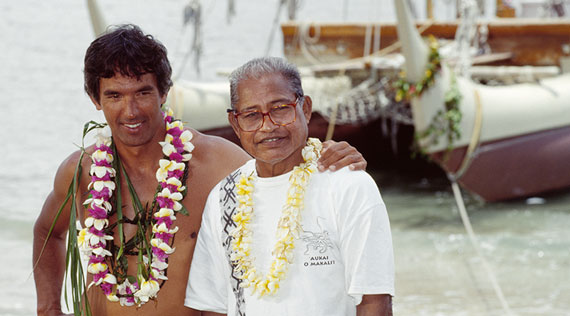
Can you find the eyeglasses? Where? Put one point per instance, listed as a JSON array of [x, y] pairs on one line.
[[281, 115]]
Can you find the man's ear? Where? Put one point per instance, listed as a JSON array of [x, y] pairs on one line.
[[97, 104], [233, 123], [307, 108]]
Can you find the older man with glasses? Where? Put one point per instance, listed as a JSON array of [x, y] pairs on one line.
[[277, 236]]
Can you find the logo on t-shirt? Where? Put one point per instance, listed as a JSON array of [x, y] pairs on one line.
[[317, 246]]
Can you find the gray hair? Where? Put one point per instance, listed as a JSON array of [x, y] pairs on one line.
[[258, 67]]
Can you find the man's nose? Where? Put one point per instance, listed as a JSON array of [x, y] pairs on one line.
[[131, 107], [266, 123]]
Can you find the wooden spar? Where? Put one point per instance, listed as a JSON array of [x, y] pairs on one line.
[[533, 42], [97, 21]]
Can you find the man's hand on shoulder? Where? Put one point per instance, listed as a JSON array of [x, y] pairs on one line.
[[337, 155]]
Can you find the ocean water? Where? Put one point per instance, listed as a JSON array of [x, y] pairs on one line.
[[438, 271]]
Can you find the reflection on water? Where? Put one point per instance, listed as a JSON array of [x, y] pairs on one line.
[[437, 270]]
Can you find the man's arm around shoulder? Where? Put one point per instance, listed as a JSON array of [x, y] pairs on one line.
[[49, 265]]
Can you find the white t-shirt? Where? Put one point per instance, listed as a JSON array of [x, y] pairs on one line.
[[344, 251]]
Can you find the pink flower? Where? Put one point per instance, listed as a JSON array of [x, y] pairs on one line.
[[103, 194], [175, 174], [97, 212], [164, 220], [176, 157]]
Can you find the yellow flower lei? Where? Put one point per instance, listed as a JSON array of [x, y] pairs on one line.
[[288, 228]]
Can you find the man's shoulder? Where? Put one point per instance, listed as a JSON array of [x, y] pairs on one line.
[[70, 166], [70, 163], [347, 177], [215, 144], [346, 183], [217, 152], [246, 168]]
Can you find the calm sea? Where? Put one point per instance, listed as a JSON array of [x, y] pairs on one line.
[[438, 272]]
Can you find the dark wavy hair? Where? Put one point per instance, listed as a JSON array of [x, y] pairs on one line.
[[126, 50]]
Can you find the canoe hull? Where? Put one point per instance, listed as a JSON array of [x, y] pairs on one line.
[[515, 167]]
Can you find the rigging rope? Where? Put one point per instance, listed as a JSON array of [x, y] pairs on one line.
[[475, 243], [193, 13], [274, 27]]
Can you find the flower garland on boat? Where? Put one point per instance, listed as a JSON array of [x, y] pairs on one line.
[[94, 239], [444, 122], [288, 228]]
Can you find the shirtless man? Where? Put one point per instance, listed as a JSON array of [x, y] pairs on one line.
[[127, 76]]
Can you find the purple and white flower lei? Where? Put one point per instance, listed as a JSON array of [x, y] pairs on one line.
[[92, 239]]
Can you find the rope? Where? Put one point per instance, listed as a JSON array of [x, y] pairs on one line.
[[367, 40], [377, 38], [305, 38], [474, 242], [273, 27], [332, 121], [468, 158]]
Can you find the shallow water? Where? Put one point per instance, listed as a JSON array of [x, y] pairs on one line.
[[437, 269]]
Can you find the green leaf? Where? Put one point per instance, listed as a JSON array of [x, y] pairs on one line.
[[183, 210]]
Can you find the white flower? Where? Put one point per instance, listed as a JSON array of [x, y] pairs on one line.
[[109, 278], [186, 137], [165, 212], [176, 196], [103, 136], [99, 185], [100, 251], [160, 265], [158, 274], [163, 229], [97, 267], [174, 124], [99, 224], [101, 155], [167, 140], [122, 289], [113, 297], [158, 243], [101, 171], [99, 203], [83, 241], [168, 149], [176, 182], [165, 166], [148, 290]]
